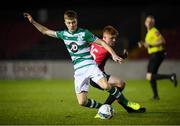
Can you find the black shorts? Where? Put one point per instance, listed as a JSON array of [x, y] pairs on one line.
[[92, 83], [155, 61]]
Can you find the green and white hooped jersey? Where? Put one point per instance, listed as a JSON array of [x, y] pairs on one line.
[[77, 44]]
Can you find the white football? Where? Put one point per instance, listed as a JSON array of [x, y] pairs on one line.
[[106, 111]]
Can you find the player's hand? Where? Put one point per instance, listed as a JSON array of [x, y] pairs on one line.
[[140, 44], [146, 45], [29, 17], [117, 59], [125, 54]]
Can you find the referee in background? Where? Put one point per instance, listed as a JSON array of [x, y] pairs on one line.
[[154, 42]]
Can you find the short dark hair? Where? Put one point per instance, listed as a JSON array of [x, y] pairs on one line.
[[70, 14]]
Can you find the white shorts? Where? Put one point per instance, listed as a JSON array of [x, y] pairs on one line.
[[83, 75]]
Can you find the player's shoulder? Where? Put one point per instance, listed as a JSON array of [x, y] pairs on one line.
[[61, 31], [98, 47], [83, 29], [95, 45], [155, 31], [152, 31]]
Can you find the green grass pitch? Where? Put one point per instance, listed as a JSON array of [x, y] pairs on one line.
[[53, 102]]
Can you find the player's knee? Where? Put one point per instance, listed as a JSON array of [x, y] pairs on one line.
[[104, 84], [82, 102], [106, 87], [148, 76], [121, 84]]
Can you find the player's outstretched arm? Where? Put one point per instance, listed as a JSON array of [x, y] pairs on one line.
[[44, 30], [115, 57]]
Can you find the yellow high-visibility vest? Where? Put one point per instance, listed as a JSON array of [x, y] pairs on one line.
[[152, 36]]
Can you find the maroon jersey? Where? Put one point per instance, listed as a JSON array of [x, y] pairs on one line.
[[100, 54]]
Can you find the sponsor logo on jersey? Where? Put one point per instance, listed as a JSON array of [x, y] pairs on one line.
[[73, 47]]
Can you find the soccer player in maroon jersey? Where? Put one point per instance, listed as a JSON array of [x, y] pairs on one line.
[[101, 55]]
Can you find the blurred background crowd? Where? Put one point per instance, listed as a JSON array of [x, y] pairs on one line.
[[20, 41]]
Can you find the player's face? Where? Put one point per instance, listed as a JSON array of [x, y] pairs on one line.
[[109, 39], [71, 24], [149, 22]]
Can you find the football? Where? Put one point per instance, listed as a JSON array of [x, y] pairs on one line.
[[106, 111]]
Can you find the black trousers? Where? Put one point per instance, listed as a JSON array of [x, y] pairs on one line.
[[155, 61]]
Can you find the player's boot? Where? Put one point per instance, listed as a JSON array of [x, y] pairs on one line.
[[97, 116], [155, 98], [140, 110], [174, 79], [133, 107]]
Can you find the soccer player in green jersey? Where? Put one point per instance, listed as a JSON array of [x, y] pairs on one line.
[[154, 42], [77, 41]]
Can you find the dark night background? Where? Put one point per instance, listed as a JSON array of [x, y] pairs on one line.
[[21, 41]]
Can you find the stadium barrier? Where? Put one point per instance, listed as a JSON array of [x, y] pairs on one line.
[[131, 69]]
